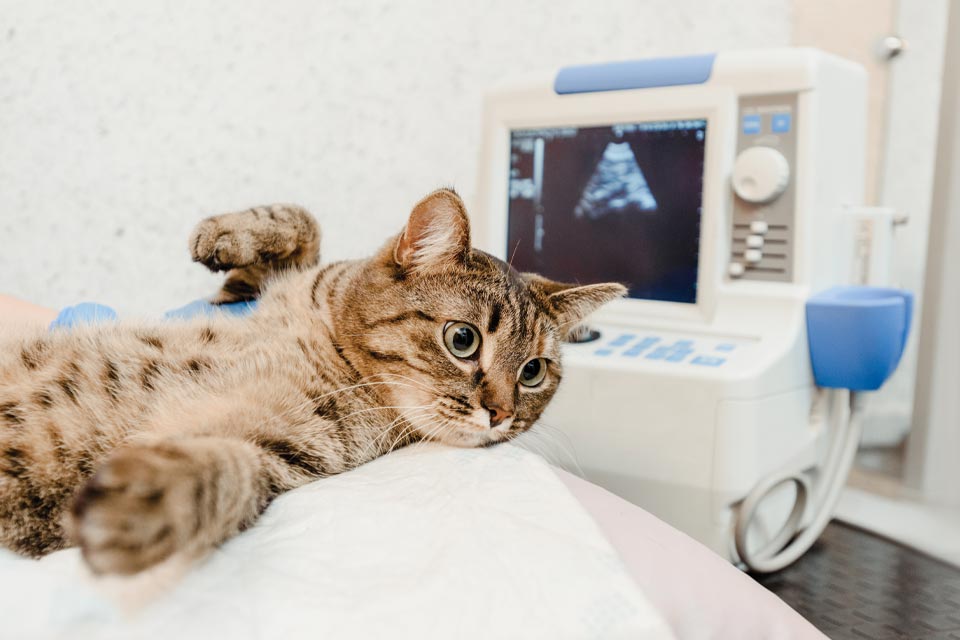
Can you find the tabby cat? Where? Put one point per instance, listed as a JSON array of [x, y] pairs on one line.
[[138, 441]]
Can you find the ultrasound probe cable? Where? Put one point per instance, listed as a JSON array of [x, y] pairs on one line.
[[793, 540]]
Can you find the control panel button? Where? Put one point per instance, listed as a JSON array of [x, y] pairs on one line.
[[760, 174], [658, 354], [603, 352], [753, 256], [708, 361], [622, 340], [736, 269], [780, 123], [755, 242], [759, 227], [727, 346], [751, 125]]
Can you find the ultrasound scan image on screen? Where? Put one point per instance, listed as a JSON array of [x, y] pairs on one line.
[[613, 203]]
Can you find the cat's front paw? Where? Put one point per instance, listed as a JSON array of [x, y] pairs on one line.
[[221, 243], [274, 235], [136, 511]]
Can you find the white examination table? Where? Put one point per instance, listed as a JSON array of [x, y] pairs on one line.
[[428, 542]]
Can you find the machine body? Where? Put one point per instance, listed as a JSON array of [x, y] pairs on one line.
[[714, 187]]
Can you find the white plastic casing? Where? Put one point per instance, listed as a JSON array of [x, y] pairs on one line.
[[687, 441]]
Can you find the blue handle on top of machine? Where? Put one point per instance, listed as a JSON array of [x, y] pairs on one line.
[[635, 74], [857, 335]]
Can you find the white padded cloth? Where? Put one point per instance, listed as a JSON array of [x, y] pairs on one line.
[[428, 542]]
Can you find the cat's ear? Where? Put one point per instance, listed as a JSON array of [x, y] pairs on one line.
[[571, 304], [437, 233]]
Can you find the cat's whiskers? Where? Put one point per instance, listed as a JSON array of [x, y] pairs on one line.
[[408, 425], [359, 386], [514, 254], [384, 408], [410, 428], [414, 427], [529, 443], [437, 428], [550, 436], [377, 442], [416, 383], [372, 448], [309, 403]]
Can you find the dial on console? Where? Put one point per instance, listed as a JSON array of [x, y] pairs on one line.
[[760, 174]]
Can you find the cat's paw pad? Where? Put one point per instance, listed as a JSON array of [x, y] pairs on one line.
[[135, 511], [221, 246]]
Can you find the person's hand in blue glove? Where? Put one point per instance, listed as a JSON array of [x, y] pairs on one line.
[[83, 313], [202, 307], [92, 312]]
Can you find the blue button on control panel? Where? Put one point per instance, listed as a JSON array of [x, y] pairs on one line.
[[751, 124], [780, 123], [658, 354], [725, 347], [708, 361], [622, 340]]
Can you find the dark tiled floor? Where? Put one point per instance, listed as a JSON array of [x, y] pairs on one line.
[[853, 584]]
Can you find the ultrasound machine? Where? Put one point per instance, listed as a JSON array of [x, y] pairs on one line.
[[724, 190]]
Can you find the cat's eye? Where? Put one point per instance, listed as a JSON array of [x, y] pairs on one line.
[[533, 372], [462, 340]]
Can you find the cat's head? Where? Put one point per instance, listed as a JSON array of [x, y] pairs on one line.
[[466, 347]]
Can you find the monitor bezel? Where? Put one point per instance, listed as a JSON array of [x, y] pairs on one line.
[[540, 108]]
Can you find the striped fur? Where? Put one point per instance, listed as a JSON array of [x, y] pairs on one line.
[[136, 441]]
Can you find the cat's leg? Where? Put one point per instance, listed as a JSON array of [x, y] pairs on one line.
[[251, 245], [149, 501]]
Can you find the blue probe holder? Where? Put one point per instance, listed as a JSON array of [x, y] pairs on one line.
[[857, 335]]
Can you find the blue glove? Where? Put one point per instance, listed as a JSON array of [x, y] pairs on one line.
[[92, 313], [204, 308], [83, 313]]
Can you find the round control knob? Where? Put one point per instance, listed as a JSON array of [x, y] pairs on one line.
[[760, 174]]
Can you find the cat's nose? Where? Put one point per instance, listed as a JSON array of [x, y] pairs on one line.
[[497, 414]]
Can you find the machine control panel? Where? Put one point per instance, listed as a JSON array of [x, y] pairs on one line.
[[762, 182], [672, 349]]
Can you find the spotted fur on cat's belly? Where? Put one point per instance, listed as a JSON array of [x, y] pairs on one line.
[[138, 441]]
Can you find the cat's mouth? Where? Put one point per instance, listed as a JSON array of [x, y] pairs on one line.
[[469, 430], [474, 437]]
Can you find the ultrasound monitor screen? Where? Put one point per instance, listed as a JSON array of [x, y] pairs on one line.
[[613, 203]]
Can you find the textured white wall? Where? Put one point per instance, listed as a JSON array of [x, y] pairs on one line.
[[121, 123]]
